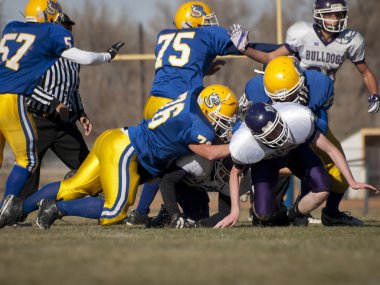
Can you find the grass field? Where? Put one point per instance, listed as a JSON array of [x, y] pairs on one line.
[[78, 251]]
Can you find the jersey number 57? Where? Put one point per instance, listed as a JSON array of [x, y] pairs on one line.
[[13, 62]]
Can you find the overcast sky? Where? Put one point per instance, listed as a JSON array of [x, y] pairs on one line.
[[139, 9]]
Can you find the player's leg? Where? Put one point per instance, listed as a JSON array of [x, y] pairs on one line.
[[86, 181], [2, 145], [331, 215], [46, 133], [194, 202], [264, 177], [119, 175], [18, 128], [306, 165], [139, 216], [71, 192], [70, 146], [153, 104]]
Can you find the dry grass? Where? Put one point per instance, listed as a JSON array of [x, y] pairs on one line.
[[78, 251]]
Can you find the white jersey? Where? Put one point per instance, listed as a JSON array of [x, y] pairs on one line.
[[201, 175], [315, 53], [245, 149]]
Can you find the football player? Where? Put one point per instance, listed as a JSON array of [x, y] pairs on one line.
[[27, 51], [184, 55], [324, 45], [122, 159], [187, 184], [276, 136]]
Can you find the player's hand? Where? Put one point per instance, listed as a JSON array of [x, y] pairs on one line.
[[87, 125], [359, 185], [228, 221], [63, 112], [238, 37], [373, 104], [114, 49], [215, 66]]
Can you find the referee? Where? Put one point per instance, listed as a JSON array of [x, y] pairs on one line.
[[56, 106]]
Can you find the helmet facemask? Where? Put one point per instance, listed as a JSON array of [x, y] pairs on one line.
[[221, 173], [210, 20], [274, 134], [222, 124], [328, 24], [194, 14]]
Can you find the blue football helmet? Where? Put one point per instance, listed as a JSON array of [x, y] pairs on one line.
[[322, 8], [266, 125]]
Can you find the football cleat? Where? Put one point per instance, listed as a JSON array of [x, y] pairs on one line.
[[251, 215], [48, 213], [161, 220], [313, 220], [297, 219], [177, 223], [23, 224], [11, 211], [135, 218], [340, 219], [182, 222], [279, 219], [300, 221]]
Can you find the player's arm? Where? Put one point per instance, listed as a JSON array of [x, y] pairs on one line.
[[234, 185], [92, 58], [239, 38], [372, 85], [339, 160], [264, 57], [369, 78], [210, 152]]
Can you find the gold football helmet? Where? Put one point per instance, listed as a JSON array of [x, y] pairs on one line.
[[284, 80], [219, 104], [194, 14], [41, 11]]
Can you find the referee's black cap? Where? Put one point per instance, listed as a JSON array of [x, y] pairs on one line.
[[64, 19]]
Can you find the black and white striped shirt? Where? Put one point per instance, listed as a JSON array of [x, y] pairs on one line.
[[60, 84]]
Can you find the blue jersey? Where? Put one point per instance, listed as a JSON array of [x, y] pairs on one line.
[[27, 51], [165, 137], [321, 95], [183, 57]]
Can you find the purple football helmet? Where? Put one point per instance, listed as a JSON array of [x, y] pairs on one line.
[[324, 7], [266, 125]]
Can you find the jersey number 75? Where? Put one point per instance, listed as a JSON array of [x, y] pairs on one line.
[[174, 40]]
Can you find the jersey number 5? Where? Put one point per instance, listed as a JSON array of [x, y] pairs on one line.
[[13, 62], [175, 41]]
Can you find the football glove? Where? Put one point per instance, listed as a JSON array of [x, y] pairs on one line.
[[114, 49], [373, 104], [238, 37]]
